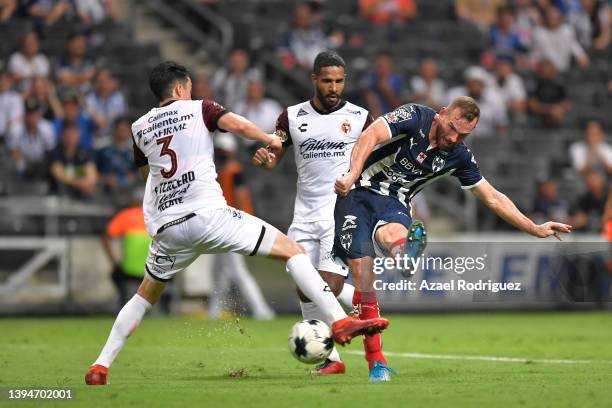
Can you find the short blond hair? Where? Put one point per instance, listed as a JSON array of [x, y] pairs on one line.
[[468, 106]]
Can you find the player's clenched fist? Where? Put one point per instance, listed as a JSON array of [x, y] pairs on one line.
[[276, 144], [343, 184], [264, 158]]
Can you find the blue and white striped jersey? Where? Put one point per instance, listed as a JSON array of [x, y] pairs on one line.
[[405, 164]]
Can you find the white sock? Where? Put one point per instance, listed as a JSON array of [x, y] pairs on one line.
[[312, 311], [127, 320], [314, 287], [346, 295]]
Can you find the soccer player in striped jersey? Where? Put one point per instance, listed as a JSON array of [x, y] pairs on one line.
[[397, 156]]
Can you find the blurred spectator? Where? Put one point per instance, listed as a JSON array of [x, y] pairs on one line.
[[588, 210], [527, 17], [384, 12], [548, 98], [504, 37], [105, 104], [115, 163], [7, 8], [258, 109], [230, 267], [28, 62], [606, 221], [547, 205], [11, 104], [48, 12], [305, 39], [201, 89], [592, 23], [383, 86], [480, 85], [511, 87], [72, 169], [230, 83], [482, 13], [129, 226], [76, 68], [594, 153], [30, 142], [427, 88], [96, 11], [557, 42], [42, 89], [74, 114]]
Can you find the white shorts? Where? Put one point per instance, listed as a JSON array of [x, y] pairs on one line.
[[317, 238], [178, 243]]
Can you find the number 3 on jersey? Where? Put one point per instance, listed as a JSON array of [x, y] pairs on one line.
[[165, 150]]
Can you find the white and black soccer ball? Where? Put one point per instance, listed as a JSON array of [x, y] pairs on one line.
[[310, 341]]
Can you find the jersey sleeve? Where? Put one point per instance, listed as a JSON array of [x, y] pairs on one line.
[[368, 122], [403, 120], [469, 174], [282, 128], [212, 111]]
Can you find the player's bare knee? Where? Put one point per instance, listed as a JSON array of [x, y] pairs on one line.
[[334, 281], [389, 234], [285, 248], [296, 249]]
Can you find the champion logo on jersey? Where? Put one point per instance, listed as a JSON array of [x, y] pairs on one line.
[[421, 157], [346, 127], [302, 112]]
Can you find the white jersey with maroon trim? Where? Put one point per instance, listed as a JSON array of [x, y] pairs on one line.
[[175, 140], [322, 144]]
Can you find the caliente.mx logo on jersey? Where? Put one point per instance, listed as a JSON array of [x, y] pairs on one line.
[[312, 148]]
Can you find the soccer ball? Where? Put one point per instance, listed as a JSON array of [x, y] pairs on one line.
[[310, 341]]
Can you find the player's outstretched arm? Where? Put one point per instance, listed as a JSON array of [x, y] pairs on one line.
[[241, 126], [263, 157], [376, 133], [501, 205]]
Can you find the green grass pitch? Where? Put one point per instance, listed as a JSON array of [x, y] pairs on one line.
[[183, 362]]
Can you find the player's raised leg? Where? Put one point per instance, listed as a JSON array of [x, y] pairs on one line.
[[344, 328], [406, 243], [126, 322]]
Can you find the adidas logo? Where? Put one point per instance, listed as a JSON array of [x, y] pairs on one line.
[[302, 112]]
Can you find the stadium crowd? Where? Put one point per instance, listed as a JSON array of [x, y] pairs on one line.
[[64, 118]]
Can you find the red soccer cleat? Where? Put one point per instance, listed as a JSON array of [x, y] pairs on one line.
[[329, 367], [344, 330], [96, 375]]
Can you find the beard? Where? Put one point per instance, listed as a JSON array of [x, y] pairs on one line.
[[327, 104]]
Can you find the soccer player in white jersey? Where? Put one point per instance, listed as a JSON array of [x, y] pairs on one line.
[[186, 214], [322, 131]]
